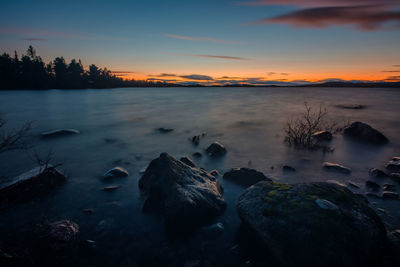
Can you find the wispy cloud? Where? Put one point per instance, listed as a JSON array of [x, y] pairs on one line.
[[389, 71], [367, 18], [121, 72], [198, 39], [220, 57], [197, 77]]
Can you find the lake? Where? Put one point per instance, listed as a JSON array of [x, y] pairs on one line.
[[118, 128]]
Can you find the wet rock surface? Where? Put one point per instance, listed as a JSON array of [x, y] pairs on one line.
[[186, 197], [394, 165], [377, 173], [336, 167], [188, 161], [294, 223], [363, 132], [116, 172], [245, 176]]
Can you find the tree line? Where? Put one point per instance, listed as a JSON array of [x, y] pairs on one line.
[[30, 72]]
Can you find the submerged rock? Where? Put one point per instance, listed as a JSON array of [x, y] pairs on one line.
[[366, 133], [336, 167], [311, 224], [322, 135], [59, 133], [110, 188], [288, 168], [196, 140], [188, 161], [165, 130], [389, 187], [30, 184], [395, 177], [390, 194], [245, 176], [185, 196], [197, 155], [377, 173], [394, 165], [63, 231], [351, 106], [116, 172], [216, 150]]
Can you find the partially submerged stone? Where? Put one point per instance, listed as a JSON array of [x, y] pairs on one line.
[[311, 225], [366, 133], [110, 188], [394, 165], [216, 150], [116, 172], [59, 133], [351, 106], [245, 176], [185, 196], [374, 186], [165, 130], [336, 167], [377, 173], [395, 177], [30, 184], [390, 195], [322, 135], [62, 231], [196, 140], [288, 168]]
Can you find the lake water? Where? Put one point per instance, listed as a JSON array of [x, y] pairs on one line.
[[118, 129]]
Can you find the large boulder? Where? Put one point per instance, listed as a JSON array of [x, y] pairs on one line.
[[185, 196], [30, 184], [245, 176], [314, 224], [364, 132]]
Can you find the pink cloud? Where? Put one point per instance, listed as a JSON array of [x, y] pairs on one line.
[[321, 3]]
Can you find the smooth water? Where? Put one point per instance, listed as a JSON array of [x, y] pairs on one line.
[[118, 129]]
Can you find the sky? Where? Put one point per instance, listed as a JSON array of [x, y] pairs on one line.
[[214, 42]]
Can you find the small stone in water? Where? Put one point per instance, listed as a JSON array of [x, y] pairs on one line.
[[326, 204], [111, 188]]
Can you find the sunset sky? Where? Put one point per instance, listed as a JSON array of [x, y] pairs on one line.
[[214, 42]]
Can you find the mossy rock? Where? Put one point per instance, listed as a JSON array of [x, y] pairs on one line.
[[313, 224]]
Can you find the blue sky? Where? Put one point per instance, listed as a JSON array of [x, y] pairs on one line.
[[148, 38]]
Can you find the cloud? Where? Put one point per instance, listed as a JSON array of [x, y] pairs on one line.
[[220, 57], [397, 66], [34, 39], [197, 77], [199, 39], [121, 72], [365, 18], [389, 71], [320, 3], [393, 79]]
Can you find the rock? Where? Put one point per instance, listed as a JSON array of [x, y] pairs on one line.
[[214, 173], [393, 165], [396, 158], [322, 135], [336, 167], [296, 231], [366, 133], [390, 194], [216, 150], [30, 184], [395, 177], [105, 225], [351, 184], [377, 173], [110, 188], [245, 176], [351, 106], [197, 155], [370, 194], [116, 172], [186, 197], [288, 168], [90, 243], [59, 133], [389, 187], [188, 161], [196, 140], [372, 185], [62, 231], [165, 130]]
